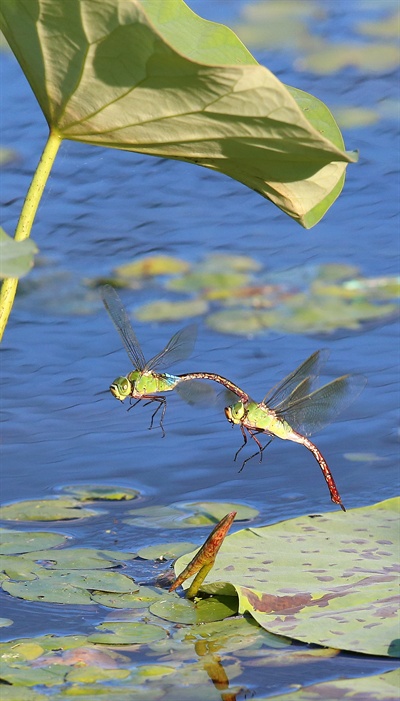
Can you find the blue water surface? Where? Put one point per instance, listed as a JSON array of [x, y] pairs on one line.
[[102, 208]]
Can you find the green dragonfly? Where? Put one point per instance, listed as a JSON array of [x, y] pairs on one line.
[[146, 381], [292, 411]]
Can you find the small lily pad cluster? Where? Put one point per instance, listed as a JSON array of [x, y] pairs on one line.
[[236, 296]]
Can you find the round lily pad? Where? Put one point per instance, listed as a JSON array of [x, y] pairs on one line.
[[149, 266], [5, 622], [127, 633], [141, 598], [45, 510], [185, 611], [162, 310], [188, 514], [166, 551], [68, 587], [14, 542], [99, 492]]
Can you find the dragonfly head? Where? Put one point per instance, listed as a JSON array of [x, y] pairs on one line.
[[121, 388], [235, 413]]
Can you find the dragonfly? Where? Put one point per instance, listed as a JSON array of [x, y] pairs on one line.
[[146, 381], [293, 411]]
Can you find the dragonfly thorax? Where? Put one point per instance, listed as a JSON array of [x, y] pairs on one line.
[[121, 388]]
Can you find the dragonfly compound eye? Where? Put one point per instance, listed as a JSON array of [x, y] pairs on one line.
[[120, 388]]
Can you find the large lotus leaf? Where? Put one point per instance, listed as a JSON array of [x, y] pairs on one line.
[[329, 579], [14, 542], [380, 687], [45, 510], [155, 78]]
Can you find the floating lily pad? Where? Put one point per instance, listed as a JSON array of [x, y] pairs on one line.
[[89, 675], [386, 27], [203, 280], [355, 117], [99, 492], [138, 599], [18, 567], [66, 587], [184, 611], [328, 579], [16, 257], [364, 457], [182, 515], [166, 551], [162, 310], [150, 266], [222, 262], [240, 321], [232, 634], [379, 687], [6, 622], [127, 633], [45, 510], [14, 542], [19, 693], [32, 676], [73, 559], [7, 155], [368, 58]]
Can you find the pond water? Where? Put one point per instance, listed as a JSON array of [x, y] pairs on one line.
[[103, 208]]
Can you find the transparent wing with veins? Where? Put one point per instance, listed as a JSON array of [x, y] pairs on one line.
[[121, 322], [295, 384], [310, 413], [178, 348]]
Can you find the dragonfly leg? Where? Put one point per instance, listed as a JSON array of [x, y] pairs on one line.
[[161, 403], [134, 404], [259, 452], [243, 430]]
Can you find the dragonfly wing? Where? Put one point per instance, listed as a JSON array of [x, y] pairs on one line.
[[311, 413], [121, 322], [197, 392], [179, 347], [310, 369], [203, 393]]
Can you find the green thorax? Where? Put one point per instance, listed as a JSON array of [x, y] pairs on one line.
[[257, 416], [152, 383]]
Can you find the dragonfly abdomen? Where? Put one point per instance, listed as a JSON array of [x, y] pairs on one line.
[[335, 496]]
